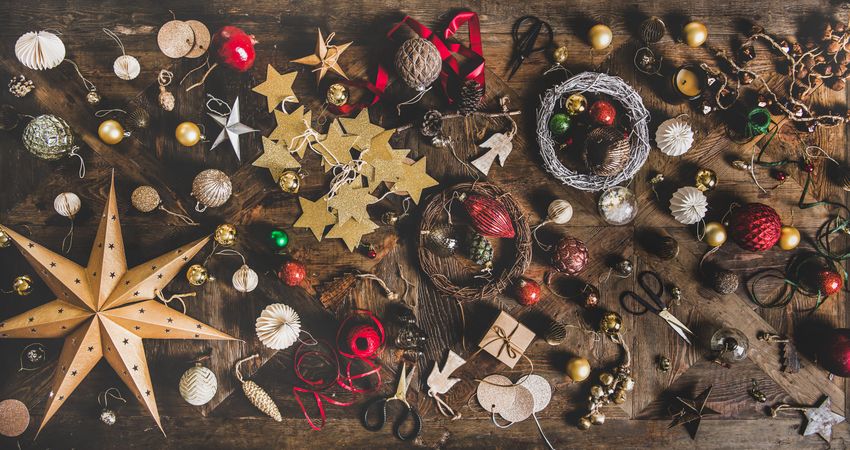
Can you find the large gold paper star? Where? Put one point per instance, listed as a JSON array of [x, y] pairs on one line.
[[276, 157], [387, 170], [379, 146], [291, 128], [277, 87], [335, 147], [325, 58], [104, 310], [351, 232], [414, 180], [350, 202], [361, 126], [315, 216]]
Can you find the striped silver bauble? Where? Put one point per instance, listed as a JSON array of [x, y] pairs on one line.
[[198, 385], [212, 188]]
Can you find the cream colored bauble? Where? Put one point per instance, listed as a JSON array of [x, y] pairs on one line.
[[674, 137], [40, 50], [126, 67], [67, 204], [198, 385], [688, 205], [278, 326], [559, 212], [245, 279]]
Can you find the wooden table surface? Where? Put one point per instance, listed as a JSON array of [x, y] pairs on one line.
[[287, 30]]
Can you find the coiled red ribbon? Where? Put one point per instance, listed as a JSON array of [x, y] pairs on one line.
[[452, 75]]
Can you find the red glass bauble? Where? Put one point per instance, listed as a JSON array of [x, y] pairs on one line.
[[235, 48], [570, 256], [829, 282], [834, 352], [489, 216], [603, 113], [527, 291], [755, 227], [292, 273]]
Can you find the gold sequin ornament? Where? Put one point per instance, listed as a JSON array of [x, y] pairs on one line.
[[337, 94], [290, 182], [706, 180], [145, 199], [5, 239], [22, 285], [560, 55], [257, 395], [197, 275], [225, 234], [576, 104]]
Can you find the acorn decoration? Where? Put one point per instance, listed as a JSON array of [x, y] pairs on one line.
[[570, 256], [606, 151], [724, 281], [418, 63]]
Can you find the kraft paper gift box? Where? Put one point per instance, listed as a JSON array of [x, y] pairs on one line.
[[506, 339]]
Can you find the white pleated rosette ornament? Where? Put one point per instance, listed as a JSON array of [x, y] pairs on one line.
[[126, 67], [688, 205], [559, 212], [278, 327], [68, 204], [674, 137], [40, 50]]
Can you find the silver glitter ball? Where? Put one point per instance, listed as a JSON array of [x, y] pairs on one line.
[[108, 417]]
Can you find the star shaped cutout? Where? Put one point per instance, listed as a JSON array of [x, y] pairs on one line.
[[100, 312], [360, 125], [335, 148], [325, 58], [821, 419], [690, 412], [350, 202], [277, 87], [276, 157], [231, 129], [351, 232], [414, 180], [291, 128], [315, 216]]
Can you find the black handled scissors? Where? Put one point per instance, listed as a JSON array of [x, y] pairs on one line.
[[654, 289], [406, 413], [524, 44]]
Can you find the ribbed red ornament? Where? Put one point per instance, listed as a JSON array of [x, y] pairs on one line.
[[570, 256], [755, 227], [489, 216]]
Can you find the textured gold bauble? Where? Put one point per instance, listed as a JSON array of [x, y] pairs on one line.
[[789, 238], [337, 94], [22, 285], [225, 234], [715, 234], [290, 182], [695, 34], [5, 239], [600, 36], [706, 180], [610, 323], [145, 199], [188, 134], [93, 98], [560, 55], [576, 104], [197, 275], [578, 368], [111, 132]]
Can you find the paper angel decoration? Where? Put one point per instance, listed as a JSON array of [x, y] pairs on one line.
[[104, 310], [688, 205]]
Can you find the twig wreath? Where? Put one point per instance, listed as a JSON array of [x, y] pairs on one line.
[[594, 83]]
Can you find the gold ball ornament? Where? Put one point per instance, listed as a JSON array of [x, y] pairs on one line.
[[5, 239], [600, 36], [576, 104], [337, 94], [789, 238], [188, 134], [290, 182], [145, 199], [584, 423], [715, 234], [22, 285], [560, 55], [111, 132], [611, 323], [695, 34], [705, 180], [197, 275], [225, 234], [578, 368], [606, 379]]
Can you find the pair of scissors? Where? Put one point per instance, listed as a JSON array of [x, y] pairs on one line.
[[407, 412], [654, 289], [524, 44]]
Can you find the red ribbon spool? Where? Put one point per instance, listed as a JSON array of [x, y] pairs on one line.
[[364, 341], [489, 216]]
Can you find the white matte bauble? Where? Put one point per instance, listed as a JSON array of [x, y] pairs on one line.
[[198, 385], [245, 279], [67, 204], [126, 67], [278, 326], [688, 205], [559, 212], [674, 137], [40, 50]]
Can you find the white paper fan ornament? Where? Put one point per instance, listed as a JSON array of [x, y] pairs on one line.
[[126, 67], [674, 137], [688, 205], [40, 50], [278, 326]]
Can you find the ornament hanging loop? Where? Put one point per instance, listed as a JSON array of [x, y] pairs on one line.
[[103, 397]]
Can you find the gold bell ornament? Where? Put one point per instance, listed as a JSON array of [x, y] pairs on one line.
[[5, 239], [225, 235], [197, 275], [614, 385], [290, 181], [92, 97], [257, 395], [337, 94]]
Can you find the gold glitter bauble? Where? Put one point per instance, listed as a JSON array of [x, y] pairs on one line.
[[225, 234], [197, 275], [715, 234], [337, 94], [290, 182], [5, 239], [145, 199], [578, 369], [576, 104], [22, 285], [706, 180], [560, 54], [611, 323]]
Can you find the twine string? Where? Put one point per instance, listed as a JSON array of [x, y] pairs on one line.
[[88, 84], [412, 100], [238, 368], [186, 219], [103, 397], [214, 102], [73, 153], [115, 37], [178, 297], [165, 77]]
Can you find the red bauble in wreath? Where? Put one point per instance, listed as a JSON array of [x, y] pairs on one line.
[[755, 227], [570, 256], [834, 351], [489, 216], [602, 113], [235, 48], [527, 292], [292, 273]]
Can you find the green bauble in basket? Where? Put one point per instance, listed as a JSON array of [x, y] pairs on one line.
[[479, 249], [48, 137]]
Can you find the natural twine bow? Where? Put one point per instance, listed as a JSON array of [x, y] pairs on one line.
[[178, 297]]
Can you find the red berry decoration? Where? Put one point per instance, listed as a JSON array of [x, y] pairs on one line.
[[489, 216], [808, 167], [235, 48], [603, 113], [570, 256], [834, 352], [527, 292], [755, 227], [292, 273], [829, 282], [779, 175]]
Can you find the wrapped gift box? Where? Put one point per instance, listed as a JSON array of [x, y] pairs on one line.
[[506, 339]]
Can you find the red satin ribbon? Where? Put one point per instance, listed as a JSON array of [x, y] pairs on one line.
[[452, 75], [376, 88]]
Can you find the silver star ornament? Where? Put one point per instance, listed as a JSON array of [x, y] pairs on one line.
[[231, 129], [820, 420]]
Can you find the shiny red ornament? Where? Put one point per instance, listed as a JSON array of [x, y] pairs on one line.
[[527, 292], [755, 227], [779, 175], [570, 256], [833, 352], [489, 216], [829, 282], [235, 48], [603, 113], [808, 167], [292, 273]]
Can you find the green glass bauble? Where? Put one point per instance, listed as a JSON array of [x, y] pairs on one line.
[[279, 238], [559, 124], [48, 137]]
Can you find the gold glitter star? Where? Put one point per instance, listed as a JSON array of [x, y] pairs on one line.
[[361, 126], [351, 202], [315, 216], [325, 58], [291, 128], [276, 157], [414, 180], [379, 146], [351, 232], [277, 87], [386, 170], [335, 147]]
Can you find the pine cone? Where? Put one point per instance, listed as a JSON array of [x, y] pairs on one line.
[[261, 399], [470, 97], [432, 123], [19, 86], [479, 249]]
